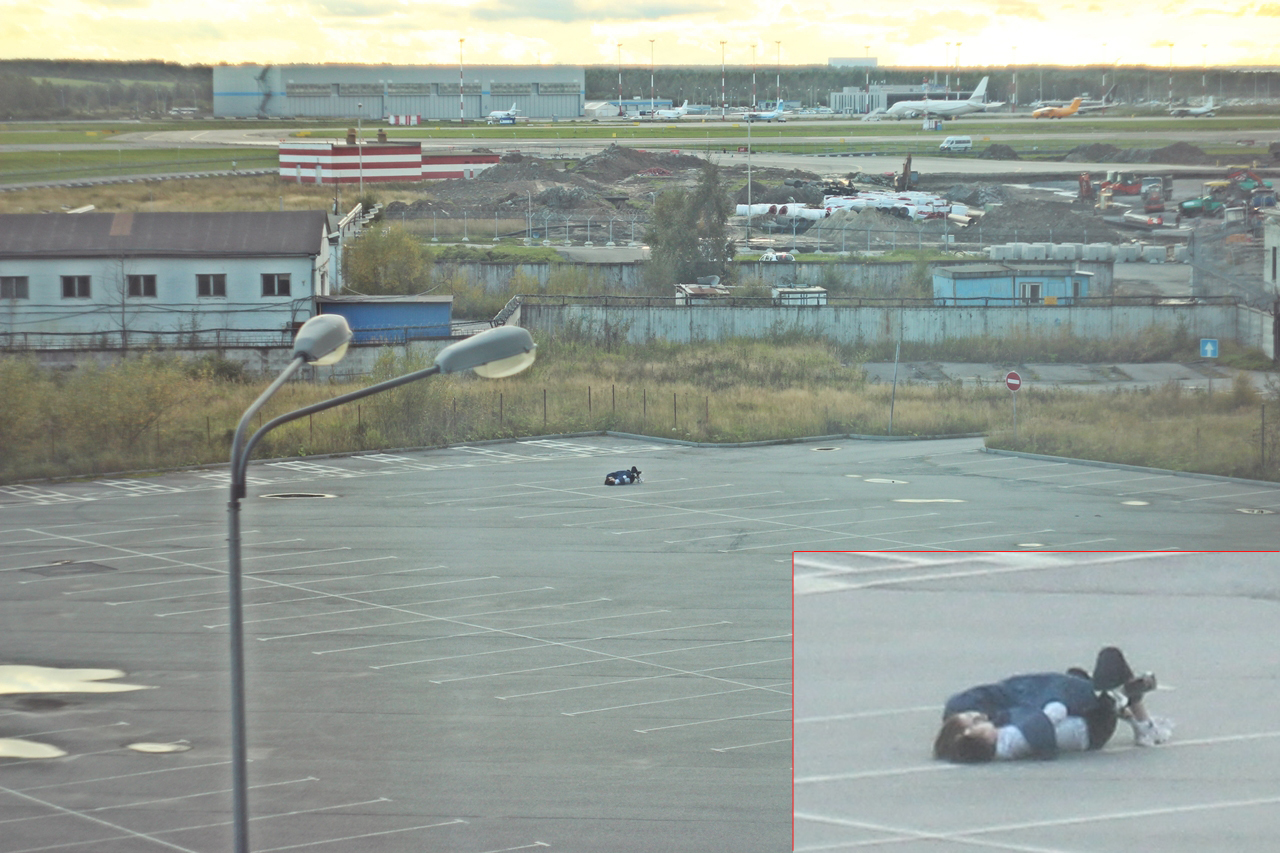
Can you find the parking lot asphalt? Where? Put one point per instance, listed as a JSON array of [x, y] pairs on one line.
[[483, 648], [884, 639], [473, 649]]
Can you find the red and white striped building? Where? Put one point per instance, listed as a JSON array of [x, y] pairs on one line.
[[330, 162]]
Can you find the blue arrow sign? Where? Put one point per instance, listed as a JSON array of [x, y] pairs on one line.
[[1208, 347]]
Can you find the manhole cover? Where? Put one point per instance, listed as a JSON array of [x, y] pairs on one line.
[[63, 568], [1252, 511], [823, 449], [296, 496]]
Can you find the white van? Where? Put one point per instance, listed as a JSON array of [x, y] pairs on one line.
[[956, 143]]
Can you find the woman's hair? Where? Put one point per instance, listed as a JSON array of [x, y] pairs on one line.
[[952, 744]]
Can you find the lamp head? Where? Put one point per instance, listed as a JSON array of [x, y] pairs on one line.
[[493, 354], [322, 340]]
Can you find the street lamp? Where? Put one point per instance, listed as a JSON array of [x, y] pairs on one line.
[[462, 105], [359, 150], [723, 104], [652, 92], [323, 340]]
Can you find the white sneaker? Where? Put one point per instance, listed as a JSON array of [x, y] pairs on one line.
[[1156, 730]]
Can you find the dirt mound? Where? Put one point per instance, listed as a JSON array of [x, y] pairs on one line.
[[999, 152], [1179, 153], [1047, 221], [976, 195], [522, 169], [805, 193], [1097, 152], [615, 163]]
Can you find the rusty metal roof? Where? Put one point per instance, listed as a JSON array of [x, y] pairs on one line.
[[57, 235]]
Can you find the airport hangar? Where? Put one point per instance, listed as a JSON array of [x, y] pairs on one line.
[[378, 92]]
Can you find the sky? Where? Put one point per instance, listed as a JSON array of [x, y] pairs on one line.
[[921, 33]]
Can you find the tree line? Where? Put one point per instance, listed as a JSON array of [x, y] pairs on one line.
[[51, 89]]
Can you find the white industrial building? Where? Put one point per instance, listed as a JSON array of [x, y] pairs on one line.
[[142, 278], [378, 92]]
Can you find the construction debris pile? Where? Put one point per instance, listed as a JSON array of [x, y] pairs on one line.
[[1179, 153], [521, 185]]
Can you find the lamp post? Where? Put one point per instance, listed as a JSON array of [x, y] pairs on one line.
[[462, 112], [652, 92], [621, 110], [322, 340], [779, 80], [723, 103], [359, 150]]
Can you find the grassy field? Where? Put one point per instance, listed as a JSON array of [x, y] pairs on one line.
[[108, 156], [39, 166], [154, 412]]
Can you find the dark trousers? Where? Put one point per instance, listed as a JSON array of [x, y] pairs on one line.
[[1110, 671]]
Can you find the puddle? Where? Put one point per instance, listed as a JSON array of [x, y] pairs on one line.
[[17, 678], [15, 748], [159, 748]]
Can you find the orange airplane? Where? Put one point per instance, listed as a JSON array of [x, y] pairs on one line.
[[1058, 112]]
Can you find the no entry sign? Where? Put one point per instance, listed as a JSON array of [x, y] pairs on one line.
[[1013, 380]]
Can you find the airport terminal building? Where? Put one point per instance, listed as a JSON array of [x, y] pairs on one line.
[[378, 92]]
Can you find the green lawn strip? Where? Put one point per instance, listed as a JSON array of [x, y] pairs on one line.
[[30, 166]]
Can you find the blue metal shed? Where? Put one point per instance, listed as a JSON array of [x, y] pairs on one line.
[[391, 319], [1033, 283]]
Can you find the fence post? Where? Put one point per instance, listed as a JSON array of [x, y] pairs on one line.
[[499, 409], [613, 391], [707, 417], [644, 407], [208, 430], [674, 422], [544, 408], [588, 401]]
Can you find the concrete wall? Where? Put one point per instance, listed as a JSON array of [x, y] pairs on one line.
[[860, 276], [926, 325]]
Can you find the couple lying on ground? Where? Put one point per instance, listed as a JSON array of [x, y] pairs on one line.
[[1040, 715]]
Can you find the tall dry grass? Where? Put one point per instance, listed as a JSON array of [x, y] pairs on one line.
[[151, 412]]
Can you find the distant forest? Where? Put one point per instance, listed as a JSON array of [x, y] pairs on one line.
[[53, 89]]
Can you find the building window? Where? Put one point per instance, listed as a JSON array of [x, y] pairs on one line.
[[13, 287], [211, 284], [275, 284], [75, 287], [1030, 292], [142, 285]]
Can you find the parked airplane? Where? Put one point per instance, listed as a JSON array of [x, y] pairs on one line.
[[1086, 105], [1099, 106], [1058, 112], [941, 108], [775, 115], [1182, 112], [678, 112], [498, 115]]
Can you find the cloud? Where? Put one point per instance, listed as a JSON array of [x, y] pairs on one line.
[[1268, 10], [1019, 9], [574, 11], [352, 9]]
